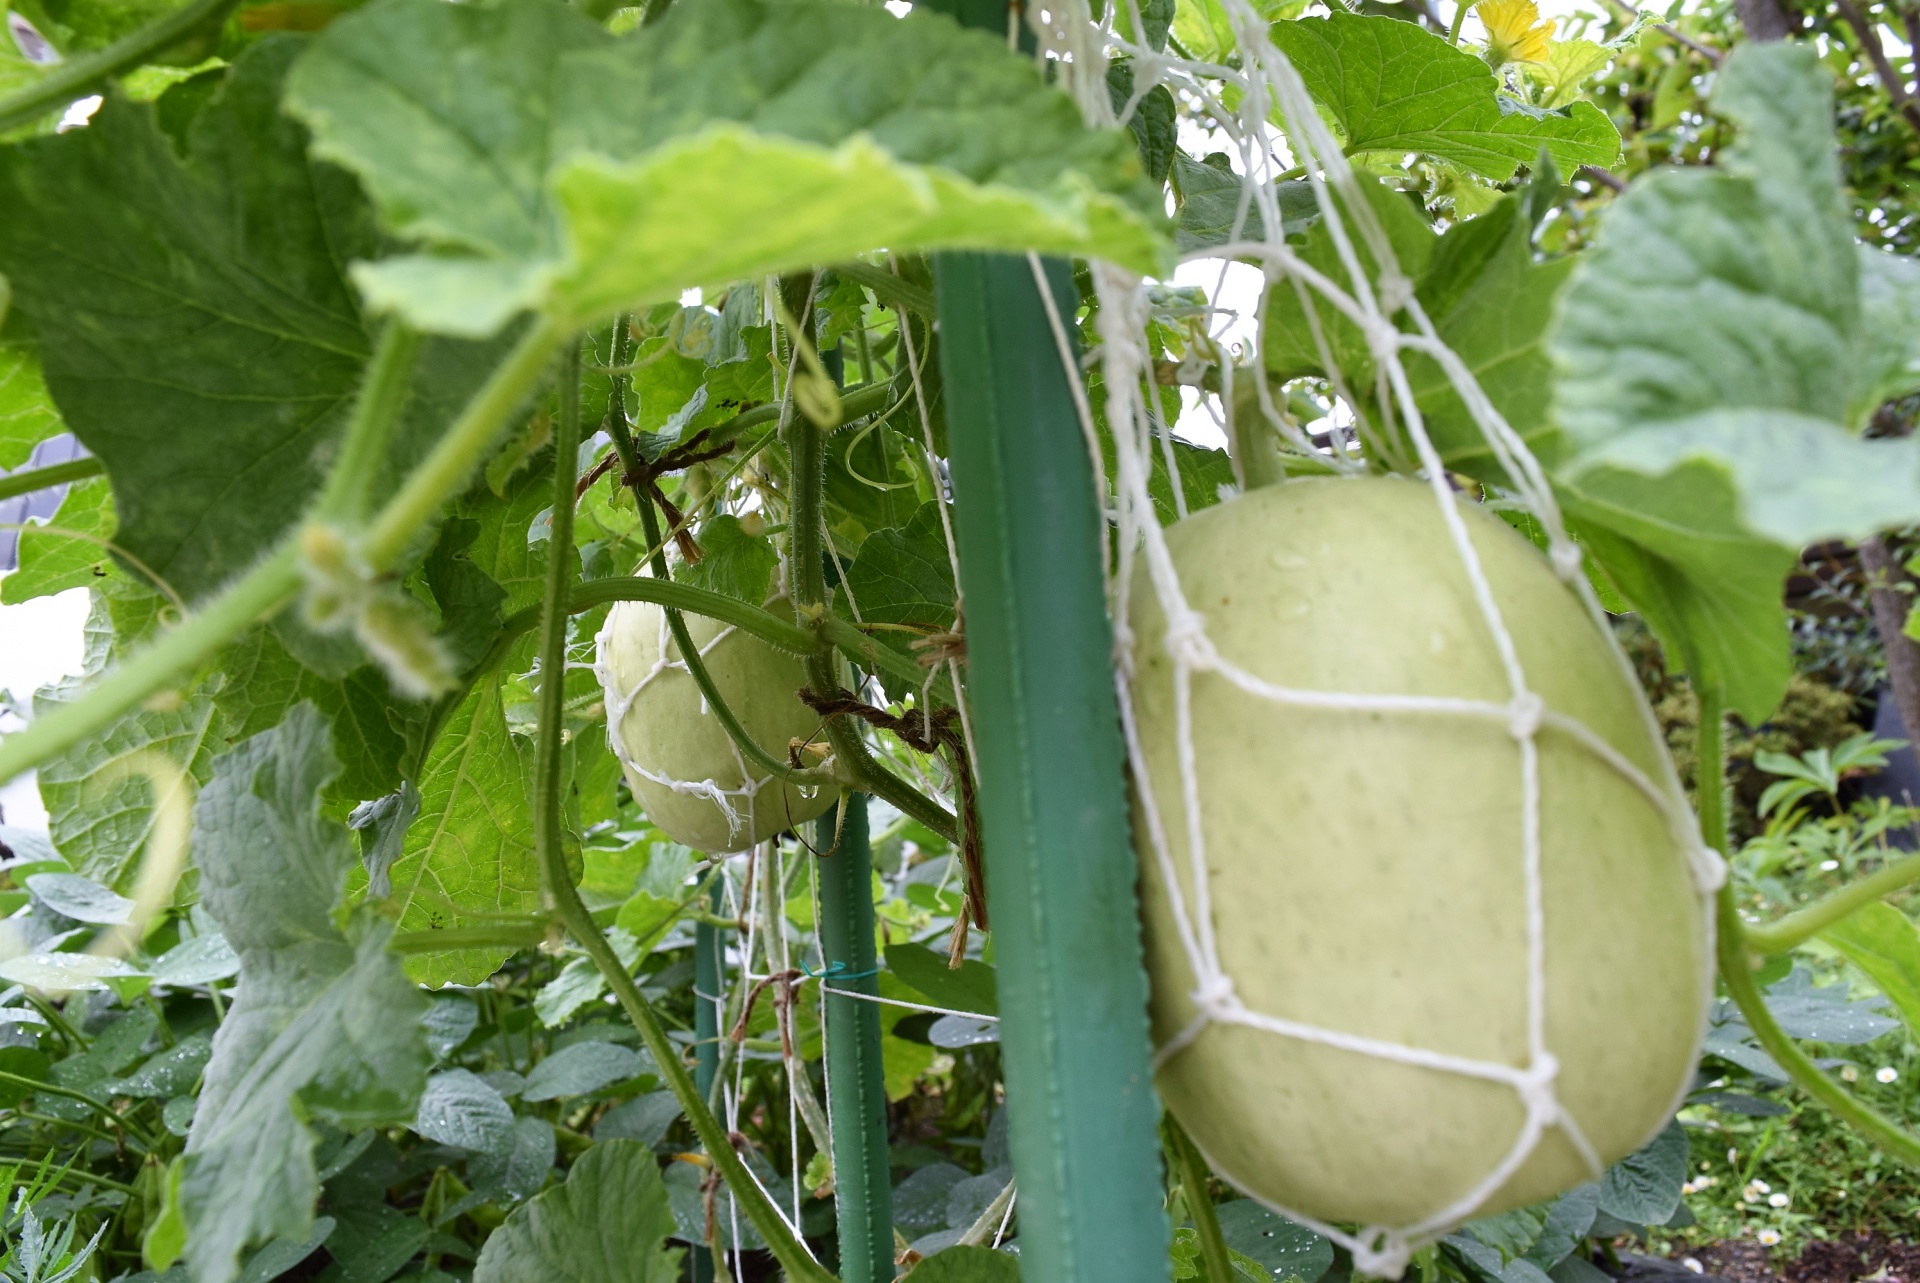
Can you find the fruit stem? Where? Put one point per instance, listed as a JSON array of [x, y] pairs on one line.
[[1736, 954], [548, 759]]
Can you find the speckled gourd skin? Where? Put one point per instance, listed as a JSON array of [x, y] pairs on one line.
[[1366, 869], [669, 730]]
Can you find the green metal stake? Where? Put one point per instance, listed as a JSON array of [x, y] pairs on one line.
[[709, 984], [856, 1082], [1053, 805]]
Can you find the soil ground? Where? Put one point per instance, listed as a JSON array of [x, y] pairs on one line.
[[1841, 1260]]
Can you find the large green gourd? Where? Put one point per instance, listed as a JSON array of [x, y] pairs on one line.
[[1366, 868], [686, 773]]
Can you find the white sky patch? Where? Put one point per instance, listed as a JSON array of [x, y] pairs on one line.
[[41, 641], [79, 114]]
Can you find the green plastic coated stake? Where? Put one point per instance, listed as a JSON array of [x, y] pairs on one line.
[[856, 1082], [709, 983], [1053, 805]]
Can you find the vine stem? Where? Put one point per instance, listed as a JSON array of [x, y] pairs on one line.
[[1193, 1173], [807, 575], [697, 665], [271, 584], [442, 473], [1735, 953], [1803, 924], [257, 594], [75, 78], [55, 474], [787, 1249], [383, 394]]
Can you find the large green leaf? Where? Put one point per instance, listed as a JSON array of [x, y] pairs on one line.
[[259, 681], [1394, 86], [65, 557], [206, 290], [1735, 286], [803, 134], [27, 416], [99, 793], [1890, 306], [325, 1025], [471, 847], [1488, 300], [1710, 350], [1883, 942], [905, 575], [607, 1224]]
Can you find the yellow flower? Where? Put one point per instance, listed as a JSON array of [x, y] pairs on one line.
[[1514, 31]]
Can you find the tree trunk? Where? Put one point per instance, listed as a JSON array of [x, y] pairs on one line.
[[1891, 590], [1763, 20]]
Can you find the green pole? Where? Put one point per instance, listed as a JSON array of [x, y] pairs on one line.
[[709, 990], [856, 1082], [1053, 805]]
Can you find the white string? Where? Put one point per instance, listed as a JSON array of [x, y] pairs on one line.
[[902, 1002], [1369, 301]]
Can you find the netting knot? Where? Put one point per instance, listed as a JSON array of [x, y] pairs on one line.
[[1536, 1087], [1709, 868], [1215, 996], [1381, 1253], [1567, 559], [1524, 715], [1383, 338], [1187, 639]]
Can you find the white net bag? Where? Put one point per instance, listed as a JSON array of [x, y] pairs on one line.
[[1429, 918]]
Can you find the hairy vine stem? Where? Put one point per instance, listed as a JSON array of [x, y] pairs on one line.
[[806, 569], [466, 441], [1736, 952], [376, 412], [75, 78], [271, 584], [786, 1247], [256, 595]]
